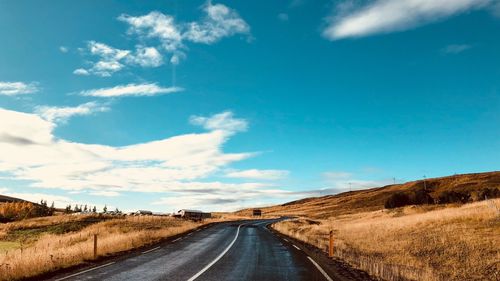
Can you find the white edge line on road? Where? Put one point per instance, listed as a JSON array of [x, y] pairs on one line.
[[296, 247], [285, 239], [218, 257], [150, 250], [320, 269], [177, 239], [85, 271]]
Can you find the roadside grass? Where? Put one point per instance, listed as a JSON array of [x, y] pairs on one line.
[[7, 245], [412, 243], [46, 244]]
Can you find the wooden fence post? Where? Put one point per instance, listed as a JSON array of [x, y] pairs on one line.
[[330, 248], [95, 246]]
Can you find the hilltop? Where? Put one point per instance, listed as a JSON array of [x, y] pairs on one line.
[[8, 199], [373, 199]]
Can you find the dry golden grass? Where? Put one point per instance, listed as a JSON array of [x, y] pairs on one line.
[[48, 251], [413, 243]]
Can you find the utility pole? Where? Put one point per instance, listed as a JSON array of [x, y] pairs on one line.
[[425, 186], [350, 187], [394, 180]]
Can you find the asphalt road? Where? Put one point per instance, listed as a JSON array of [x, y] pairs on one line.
[[245, 250]]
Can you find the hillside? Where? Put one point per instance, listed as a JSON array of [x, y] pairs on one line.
[[373, 199], [8, 199]]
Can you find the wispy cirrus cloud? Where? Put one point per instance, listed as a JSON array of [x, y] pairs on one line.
[[256, 174], [223, 121], [456, 49], [63, 113], [384, 16], [17, 88], [148, 89]]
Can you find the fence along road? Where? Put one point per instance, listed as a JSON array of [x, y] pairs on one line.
[[228, 251]]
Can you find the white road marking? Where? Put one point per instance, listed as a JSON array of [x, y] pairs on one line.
[[320, 269], [285, 239], [296, 247], [154, 249], [189, 234], [85, 271], [218, 257], [177, 239]]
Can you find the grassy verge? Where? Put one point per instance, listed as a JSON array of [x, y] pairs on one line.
[[412, 243], [38, 246]]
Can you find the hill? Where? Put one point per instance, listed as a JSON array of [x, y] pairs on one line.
[[373, 199], [8, 199]]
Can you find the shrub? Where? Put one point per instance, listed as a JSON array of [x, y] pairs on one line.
[[454, 197], [397, 200], [421, 197]]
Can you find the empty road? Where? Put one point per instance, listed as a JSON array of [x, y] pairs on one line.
[[245, 250]]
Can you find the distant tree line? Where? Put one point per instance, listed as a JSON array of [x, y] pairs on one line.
[[80, 208], [421, 196]]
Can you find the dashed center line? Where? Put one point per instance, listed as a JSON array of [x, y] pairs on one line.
[[296, 247], [177, 239]]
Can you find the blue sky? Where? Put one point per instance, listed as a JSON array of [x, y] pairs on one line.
[[226, 104]]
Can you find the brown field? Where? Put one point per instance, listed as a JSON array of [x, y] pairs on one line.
[[36, 246], [426, 242]]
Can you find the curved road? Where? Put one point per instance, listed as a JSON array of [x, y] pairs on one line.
[[245, 250]]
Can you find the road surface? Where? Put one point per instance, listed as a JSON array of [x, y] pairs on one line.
[[245, 250]]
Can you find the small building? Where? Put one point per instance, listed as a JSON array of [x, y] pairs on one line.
[[192, 214], [257, 212], [144, 213]]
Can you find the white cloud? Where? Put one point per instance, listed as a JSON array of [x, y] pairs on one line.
[[150, 89], [111, 60], [63, 49], [62, 114], [224, 121], [220, 22], [383, 16], [258, 174], [17, 88], [81, 71], [105, 193], [456, 48], [155, 25], [31, 152], [146, 57]]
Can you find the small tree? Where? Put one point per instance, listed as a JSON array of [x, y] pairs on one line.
[[105, 209], [52, 209], [85, 209], [94, 210]]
